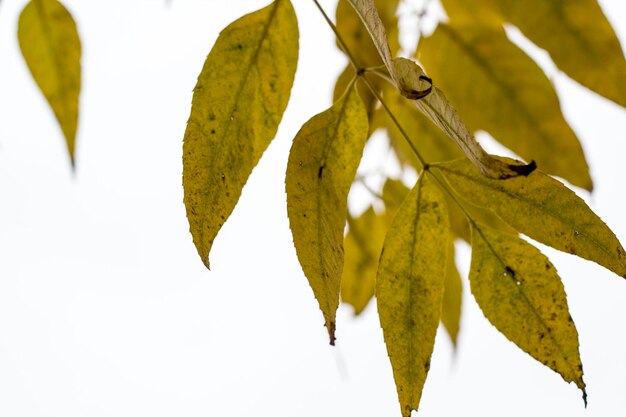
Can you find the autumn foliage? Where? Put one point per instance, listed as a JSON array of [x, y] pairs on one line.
[[464, 77]]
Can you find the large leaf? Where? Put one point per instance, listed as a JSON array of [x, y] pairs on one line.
[[322, 164], [542, 208], [238, 102], [579, 39], [452, 296], [410, 286], [498, 88], [51, 47], [521, 294]]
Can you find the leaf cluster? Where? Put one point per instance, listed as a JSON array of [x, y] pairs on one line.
[[402, 255]]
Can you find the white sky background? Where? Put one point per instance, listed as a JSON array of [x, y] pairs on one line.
[[106, 310]]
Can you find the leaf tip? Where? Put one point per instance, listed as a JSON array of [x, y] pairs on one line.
[[525, 170], [331, 332], [584, 396]]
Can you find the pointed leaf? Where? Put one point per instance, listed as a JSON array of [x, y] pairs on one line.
[[238, 102], [51, 47], [579, 39], [410, 285], [542, 208], [322, 164], [452, 296], [521, 294], [498, 88]]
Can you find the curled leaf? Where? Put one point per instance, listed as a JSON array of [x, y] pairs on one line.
[[238, 102], [51, 47], [322, 164]]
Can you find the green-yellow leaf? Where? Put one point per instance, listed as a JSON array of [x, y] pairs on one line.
[[362, 246], [579, 39], [410, 287], [521, 294], [322, 164], [496, 87], [238, 102], [542, 208], [51, 47], [452, 296]]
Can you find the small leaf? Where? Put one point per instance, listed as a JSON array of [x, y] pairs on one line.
[[410, 286], [322, 164], [521, 294], [452, 296], [542, 208], [579, 39], [51, 47], [498, 88], [238, 102]]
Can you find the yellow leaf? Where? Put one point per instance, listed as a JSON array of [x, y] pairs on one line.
[[579, 39], [362, 246], [521, 294], [238, 102], [410, 286], [452, 296], [51, 47], [496, 87], [322, 164], [543, 209]]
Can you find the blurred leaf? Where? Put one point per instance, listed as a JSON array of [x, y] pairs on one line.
[[452, 296], [542, 208], [410, 286], [51, 47], [579, 39], [521, 294], [362, 246], [497, 87], [238, 102], [322, 164]]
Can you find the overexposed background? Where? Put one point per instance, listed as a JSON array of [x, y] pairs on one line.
[[106, 309]]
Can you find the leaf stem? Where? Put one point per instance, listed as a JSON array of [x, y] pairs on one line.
[[422, 161], [345, 48]]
